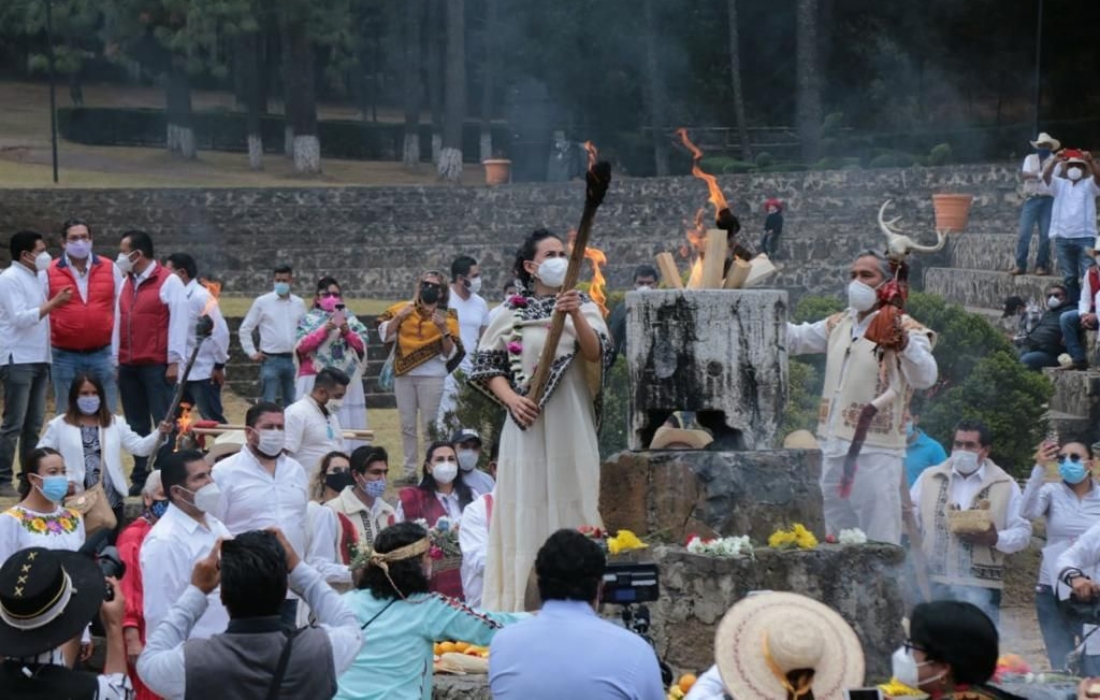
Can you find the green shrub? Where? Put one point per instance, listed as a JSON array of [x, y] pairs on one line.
[[803, 398], [893, 159], [785, 168], [726, 165], [474, 410], [615, 430], [764, 159], [941, 154], [980, 377]]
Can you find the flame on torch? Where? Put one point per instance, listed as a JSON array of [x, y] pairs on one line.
[[597, 288], [183, 423], [592, 153], [215, 290], [716, 196]]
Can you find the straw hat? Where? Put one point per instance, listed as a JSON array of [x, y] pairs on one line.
[[1046, 138], [229, 443], [800, 440], [665, 436], [765, 636]]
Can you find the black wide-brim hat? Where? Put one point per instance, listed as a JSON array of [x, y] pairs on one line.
[[47, 597]]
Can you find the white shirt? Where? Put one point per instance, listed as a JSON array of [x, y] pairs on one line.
[[322, 550], [162, 665], [215, 349], [1089, 296], [24, 337], [473, 539], [253, 499], [918, 367], [310, 434], [478, 481], [1074, 214], [473, 319], [962, 490], [496, 311], [1034, 187], [709, 686], [277, 318], [173, 296], [1067, 517], [168, 556]]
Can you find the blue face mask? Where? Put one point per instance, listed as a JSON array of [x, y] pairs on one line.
[[282, 288], [1044, 153], [159, 508], [55, 487], [1072, 472], [375, 489]]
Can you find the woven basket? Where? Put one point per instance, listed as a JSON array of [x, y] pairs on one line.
[[968, 521]]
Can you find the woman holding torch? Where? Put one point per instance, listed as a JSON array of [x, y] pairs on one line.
[[549, 463]]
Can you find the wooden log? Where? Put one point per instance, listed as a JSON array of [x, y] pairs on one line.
[[714, 262], [762, 269], [670, 273], [224, 428], [738, 273]]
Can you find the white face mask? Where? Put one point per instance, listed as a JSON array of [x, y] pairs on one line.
[[861, 297], [124, 263], [906, 669], [964, 462], [334, 405], [1053, 302], [42, 261], [552, 271], [642, 288], [207, 499], [1075, 174], [444, 472], [271, 442], [467, 459], [474, 285]]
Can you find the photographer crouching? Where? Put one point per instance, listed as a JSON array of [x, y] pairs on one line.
[[46, 598], [567, 650]]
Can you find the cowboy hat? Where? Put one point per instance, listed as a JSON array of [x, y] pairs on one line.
[[1046, 138], [665, 436], [228, 443], [766, 636], [46, 598]]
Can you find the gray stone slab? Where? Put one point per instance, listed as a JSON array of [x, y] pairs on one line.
[[717, 352], [993, 251], [983, 288]]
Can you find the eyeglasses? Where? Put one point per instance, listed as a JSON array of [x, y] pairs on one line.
[[910, 647], [1058, 295], [430, 285], [1071, 457], [329, 295]]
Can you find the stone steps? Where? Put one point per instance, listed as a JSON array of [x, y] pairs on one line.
[[985, 289], [993, 251]]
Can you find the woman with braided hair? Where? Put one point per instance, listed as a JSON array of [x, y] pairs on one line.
[[403, 620]]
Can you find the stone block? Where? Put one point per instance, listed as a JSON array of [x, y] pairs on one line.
[[677, 493], [1075, 406], [860, 582], [720, 353], [983, 288]]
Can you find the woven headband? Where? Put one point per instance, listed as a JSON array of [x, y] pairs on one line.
[[382, 560]]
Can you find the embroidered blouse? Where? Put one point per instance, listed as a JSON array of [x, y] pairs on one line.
[[21, 527], [318, 347]]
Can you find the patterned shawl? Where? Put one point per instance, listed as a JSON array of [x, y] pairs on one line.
[[418, 339]]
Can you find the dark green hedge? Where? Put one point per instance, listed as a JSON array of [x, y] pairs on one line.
[[227, 131]]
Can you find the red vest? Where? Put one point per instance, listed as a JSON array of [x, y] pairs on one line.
[[83, 325], [1094, 287], [143, 321], [417, 504]]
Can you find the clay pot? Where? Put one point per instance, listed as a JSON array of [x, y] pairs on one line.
[[498, 171], [952, 211]]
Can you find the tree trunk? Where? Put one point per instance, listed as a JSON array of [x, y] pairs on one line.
[[655, 90], [289, 103], [435, 74], [487, 76], [414, 17], [735, 80], [450, 158], [181, 137], [249, 84], [302, 100], [809, 116]]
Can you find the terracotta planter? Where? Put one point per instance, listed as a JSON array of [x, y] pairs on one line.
[[498, 171], [952, 211]]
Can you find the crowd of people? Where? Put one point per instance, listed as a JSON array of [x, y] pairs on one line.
[[1060, 191]]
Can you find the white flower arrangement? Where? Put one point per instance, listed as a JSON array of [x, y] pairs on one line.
[[852, 536], [721, 547]]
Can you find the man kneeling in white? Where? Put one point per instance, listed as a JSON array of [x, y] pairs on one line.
[[473, 539]]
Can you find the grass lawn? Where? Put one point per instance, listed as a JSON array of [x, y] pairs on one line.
[[237, 307]]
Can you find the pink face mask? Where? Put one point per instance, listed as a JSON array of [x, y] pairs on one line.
[[328, 303]]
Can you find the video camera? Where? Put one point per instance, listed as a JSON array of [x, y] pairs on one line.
[[630, 585], [99, 548]]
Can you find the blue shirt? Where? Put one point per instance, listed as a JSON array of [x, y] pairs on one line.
[[922, 453], [567, 651]]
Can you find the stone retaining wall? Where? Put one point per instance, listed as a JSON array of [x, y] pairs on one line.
[[375, 239]]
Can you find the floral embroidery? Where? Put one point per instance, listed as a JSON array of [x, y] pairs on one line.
[[65, 522]]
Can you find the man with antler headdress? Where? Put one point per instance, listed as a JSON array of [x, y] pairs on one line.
[[876, 357]]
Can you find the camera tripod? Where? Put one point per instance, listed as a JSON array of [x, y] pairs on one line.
[[637, 620]]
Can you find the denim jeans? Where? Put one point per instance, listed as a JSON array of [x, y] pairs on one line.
[[146, 396], [67, 364], [207, 397], [24, 412], [1072, 334], [278, 373], [1036, 210], [1036, 360], [1059, 633], [1074, 263]]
